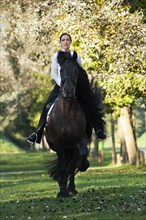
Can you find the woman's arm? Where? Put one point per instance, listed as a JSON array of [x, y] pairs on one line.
[[79, 60], [54, 70]]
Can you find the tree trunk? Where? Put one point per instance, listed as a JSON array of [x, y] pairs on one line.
[[133, 123], [123, 149], [129, 135], [94, 148], [97, 149], [114, 156]]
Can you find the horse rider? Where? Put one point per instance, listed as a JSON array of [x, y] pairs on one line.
[[65, 42]]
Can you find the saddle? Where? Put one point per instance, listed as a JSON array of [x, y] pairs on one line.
[[50, 110]]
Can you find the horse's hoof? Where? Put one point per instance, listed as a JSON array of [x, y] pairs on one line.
[[73, 192], [63, 194]]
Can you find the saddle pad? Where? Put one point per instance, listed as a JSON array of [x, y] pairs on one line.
[[50, 110]]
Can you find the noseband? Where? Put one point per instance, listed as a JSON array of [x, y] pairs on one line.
[[63, 80]]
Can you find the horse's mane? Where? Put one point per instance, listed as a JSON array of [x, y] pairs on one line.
[[63, 56], [88, 95], [90, 98]]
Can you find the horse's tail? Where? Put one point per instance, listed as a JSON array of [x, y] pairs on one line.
[[53, 169]]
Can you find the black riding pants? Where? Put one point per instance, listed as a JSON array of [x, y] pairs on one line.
[[51, 99], [54, 94]]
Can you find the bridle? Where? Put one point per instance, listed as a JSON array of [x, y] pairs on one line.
[[63, 80]]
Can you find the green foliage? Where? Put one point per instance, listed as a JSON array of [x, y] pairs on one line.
[[38, 96], [28, 105], [122, 90], [137, 5], [108, 35]]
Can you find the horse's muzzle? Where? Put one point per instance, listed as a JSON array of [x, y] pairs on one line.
[[68, 96]]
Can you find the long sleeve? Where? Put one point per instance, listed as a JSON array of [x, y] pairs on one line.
[[79, 60], [55, 70], [55, 67]]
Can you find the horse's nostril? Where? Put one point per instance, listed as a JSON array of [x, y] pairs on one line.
[[67, 94], [64, 94]]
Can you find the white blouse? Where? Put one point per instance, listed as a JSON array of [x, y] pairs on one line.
[[55, 67]]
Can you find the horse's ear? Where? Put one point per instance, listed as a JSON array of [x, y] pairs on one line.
[[75, 55]]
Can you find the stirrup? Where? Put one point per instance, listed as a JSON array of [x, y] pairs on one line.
[[32, 142]]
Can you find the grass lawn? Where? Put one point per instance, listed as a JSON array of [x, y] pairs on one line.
[[105, 192], [6, 146]]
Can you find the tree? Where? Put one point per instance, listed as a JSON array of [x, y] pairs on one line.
[[108, 36], [26, 63]]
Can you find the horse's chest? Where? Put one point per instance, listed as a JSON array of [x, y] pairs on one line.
[[67, 123], [74, 119], [70, 133], [71, 125]]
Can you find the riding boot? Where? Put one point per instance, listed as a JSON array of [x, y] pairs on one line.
[[100, 134], [42, 122], [36, 136]]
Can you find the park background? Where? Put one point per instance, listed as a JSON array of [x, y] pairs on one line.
[[110, 37]]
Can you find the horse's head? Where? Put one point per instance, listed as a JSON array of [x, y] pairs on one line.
[[69, 74]]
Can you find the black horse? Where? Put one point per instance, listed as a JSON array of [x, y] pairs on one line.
[[66, 130]]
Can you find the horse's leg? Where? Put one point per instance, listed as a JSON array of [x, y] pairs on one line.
[[71, 185], [83, 163], [63, 175]]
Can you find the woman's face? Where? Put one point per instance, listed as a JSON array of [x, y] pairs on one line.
[[65, 42]]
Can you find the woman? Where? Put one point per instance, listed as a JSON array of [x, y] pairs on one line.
[[65, 42]]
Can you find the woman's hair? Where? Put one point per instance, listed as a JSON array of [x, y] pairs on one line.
[[65, 34]]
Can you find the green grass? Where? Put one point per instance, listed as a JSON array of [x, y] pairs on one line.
[[24, 161], [107, 192], [6, 146]]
